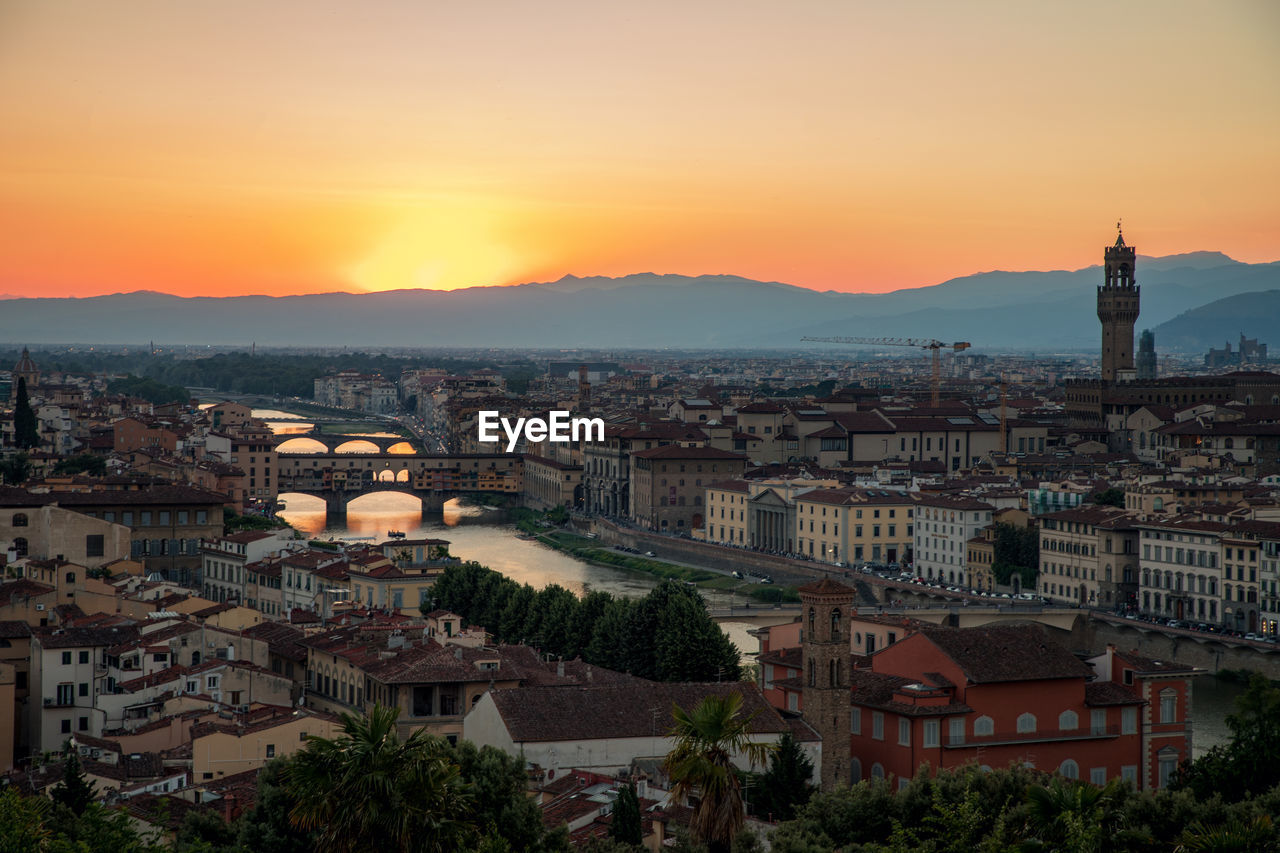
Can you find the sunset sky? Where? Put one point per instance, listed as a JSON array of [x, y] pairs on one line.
[[218, 148]]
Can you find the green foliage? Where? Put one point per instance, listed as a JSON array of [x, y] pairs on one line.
[[150, 390], [558, 514], [369, 790], [626, 826], [499, 808], [267, 825], [666, 635], [706, 740], [1017, 551], [1250, 763], [785, 786], [26, 429], [38, 825], [74, 791], [84, 463], [15, 469], [234, 523], [22, 822], [1109, 497], [204, 832]]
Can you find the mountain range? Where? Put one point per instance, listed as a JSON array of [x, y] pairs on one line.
[[1191, 301]]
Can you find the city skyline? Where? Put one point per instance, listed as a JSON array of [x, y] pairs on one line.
[[232, 149]]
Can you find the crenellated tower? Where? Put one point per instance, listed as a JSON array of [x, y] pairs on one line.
[[826, 607], [1118, 310]]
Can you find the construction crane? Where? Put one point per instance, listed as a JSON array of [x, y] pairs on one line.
[[921, 343]]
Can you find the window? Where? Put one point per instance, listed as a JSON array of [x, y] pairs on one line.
[[904, 732], [1098, 776], [20, 519], [66, 727], [1129, 721], [1167, 762], [84, 657], [66, 658], [83, 688], [94, 545], [83, 724], [1068, 721], [271, 750], [955, 728], [931, 734], [855, 772], [1069, 769], [1098, 722], [1129, 773], [984, 727], [211, 682], [855, 721], [1168, 706], [877, 772], [877, 725], [1026, 723]]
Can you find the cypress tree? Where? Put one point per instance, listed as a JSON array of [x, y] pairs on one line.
[[26, 431], [74, 791], [626, 826]]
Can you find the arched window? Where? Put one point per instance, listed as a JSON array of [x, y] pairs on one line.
[[855, 772], [835, 624], [1026, 723], [1069, 769], [19, 519], [984, 727], [1068, 721], [812, 680], [877, 772], [813, 616]]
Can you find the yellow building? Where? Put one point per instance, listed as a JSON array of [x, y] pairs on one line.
[[849, 526], [222, 748]]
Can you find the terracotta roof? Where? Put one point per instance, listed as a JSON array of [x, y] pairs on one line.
[[13, 590], [877, 690], [827, 586], [1144, 665], [582, 712], [67, 638], [1015, 653], [675, 451], [1099, 693]]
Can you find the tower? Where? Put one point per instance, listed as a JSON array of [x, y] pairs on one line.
[[24, 369], [1146, 355], [1118, 310], [826, 607], [584, 387]]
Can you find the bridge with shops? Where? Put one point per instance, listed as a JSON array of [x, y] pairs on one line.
[[339, 478]]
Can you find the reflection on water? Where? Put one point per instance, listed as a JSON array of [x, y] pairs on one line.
[[272, 414], [481, 535], [289, 427], [1212, 699]]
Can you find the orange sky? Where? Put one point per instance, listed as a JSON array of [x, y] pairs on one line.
[[219, 148]]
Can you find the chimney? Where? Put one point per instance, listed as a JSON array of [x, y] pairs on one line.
[[560, 668], [588, 672]]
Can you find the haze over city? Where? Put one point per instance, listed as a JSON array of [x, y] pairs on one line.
[[237, 148]]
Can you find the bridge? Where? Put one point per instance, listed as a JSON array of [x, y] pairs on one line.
[[338, 478], [332, 442]]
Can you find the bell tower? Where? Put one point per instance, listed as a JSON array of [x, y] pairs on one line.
[[826, 607], [1118, 297]]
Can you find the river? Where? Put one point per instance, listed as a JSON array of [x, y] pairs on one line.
[[484, 536]]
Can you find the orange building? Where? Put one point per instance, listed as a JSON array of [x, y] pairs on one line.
[[997, 696]]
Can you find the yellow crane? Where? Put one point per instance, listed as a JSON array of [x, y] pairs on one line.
[[920, 343]]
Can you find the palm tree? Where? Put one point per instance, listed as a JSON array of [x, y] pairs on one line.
[[1237, 835], [1074, 815], [369, 791], [706, 741]]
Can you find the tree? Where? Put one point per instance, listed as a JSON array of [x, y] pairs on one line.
[[15, 469], [785, 785], [1235, 836], [84, 463], [706, 741], [1250, 763], [500, 808], [1109, 497], [22, 825], [368, 790], [626, 817], [267, 825], [74, 791], [1017, 551], [26, 430]]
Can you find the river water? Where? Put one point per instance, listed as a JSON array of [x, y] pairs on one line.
[[483, 535]]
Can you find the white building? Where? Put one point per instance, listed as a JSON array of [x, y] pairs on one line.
[[943, 526]]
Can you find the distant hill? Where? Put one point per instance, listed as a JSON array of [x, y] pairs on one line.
[[1254, 315], [1028, 310]]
